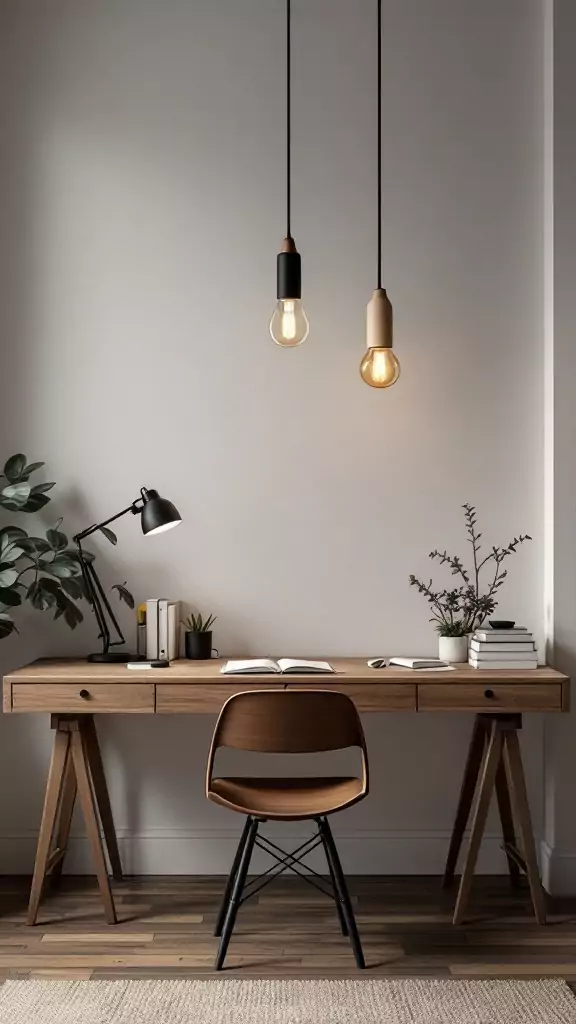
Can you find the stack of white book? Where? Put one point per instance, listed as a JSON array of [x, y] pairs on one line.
[[162, 629], [503, 648]]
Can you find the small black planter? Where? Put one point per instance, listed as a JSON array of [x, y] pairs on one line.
[[198, 646]]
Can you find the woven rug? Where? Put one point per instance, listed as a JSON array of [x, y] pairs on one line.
[[409, 1001]]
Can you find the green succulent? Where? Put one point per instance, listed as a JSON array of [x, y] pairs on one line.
[[197, 624]]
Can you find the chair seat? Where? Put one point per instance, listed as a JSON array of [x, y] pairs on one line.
[[286, 799]]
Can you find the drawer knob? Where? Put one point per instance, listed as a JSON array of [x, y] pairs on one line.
[[85, 694], [489, 694]]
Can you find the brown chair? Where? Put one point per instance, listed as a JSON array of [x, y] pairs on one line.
[[287, 722]]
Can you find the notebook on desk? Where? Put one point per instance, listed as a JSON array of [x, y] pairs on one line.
[[268, 666], [423, 664]]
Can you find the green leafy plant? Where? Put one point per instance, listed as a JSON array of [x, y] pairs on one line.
[[463, 609], [197, 624], [42, 570]]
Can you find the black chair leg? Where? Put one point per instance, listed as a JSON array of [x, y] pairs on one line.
[[341, 917], [342, 890], [231, 877], [236, 894]]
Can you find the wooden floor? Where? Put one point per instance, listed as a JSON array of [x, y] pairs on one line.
[[166, 927]]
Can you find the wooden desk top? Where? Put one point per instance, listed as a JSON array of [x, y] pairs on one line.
[[67, 686], [349, 670]]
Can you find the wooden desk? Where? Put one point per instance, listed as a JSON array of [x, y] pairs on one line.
[[74, 691]]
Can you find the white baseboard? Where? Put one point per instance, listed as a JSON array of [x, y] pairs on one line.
[[203, 852], [558, 870]]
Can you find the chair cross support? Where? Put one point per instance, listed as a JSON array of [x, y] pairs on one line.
[[287, 863]]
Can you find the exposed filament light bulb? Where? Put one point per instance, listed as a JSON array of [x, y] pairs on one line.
[[380, 368], [289, 324]]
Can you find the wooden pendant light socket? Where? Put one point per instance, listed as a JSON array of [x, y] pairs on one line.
[[379, 320], [288, 245]]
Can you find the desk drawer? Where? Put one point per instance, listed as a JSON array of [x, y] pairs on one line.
[[369, 696], [63, 698], [488, 696], [199, 698]]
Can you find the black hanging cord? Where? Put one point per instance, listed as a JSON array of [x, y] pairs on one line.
[[379, 137], [288, 119]]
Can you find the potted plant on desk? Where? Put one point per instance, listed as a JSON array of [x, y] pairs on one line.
[[198, 637], [458, 612], [453, 641]]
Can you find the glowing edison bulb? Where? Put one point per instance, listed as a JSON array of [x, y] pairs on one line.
[[380, 368], [289, 324]]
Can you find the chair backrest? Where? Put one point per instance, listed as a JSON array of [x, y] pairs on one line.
[[288, 722]]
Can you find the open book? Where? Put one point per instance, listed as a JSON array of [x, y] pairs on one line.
[[264, 666]]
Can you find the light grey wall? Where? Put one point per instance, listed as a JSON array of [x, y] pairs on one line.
[[141, 199]]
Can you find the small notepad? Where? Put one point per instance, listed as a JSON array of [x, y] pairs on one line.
[[423, 664]]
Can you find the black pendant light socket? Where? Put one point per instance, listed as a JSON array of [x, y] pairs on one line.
[[289, 271]]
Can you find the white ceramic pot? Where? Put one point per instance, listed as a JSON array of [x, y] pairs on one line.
[[453, 648]]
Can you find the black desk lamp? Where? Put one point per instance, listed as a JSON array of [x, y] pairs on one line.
[[157, 515]]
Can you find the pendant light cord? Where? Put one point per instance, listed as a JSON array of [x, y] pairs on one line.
[[288, 120], [379, 141]]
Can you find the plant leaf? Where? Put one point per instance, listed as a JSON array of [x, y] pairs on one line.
[[73, 616], [10, 596], [8, 574], [42, 488], [109, 534], [11, 532], [67, 608], [11, 553], [57, 540], [73, 587], [195, 623], [6, 625], [34, 545], [32, 467], [15, 467], [61, 566], [14, 496], [40, 596], [10, 546], [49, 584], [124, 594], [35, 503]]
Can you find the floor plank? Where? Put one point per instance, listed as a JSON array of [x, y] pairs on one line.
[[166, 931]]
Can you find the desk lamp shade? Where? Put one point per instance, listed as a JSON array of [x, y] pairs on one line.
[[158, 514]]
